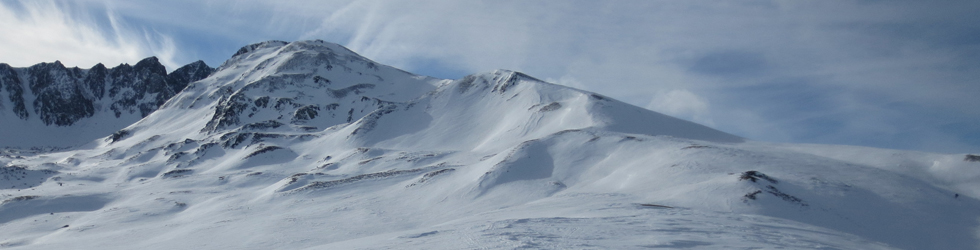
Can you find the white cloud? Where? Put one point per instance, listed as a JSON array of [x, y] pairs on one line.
[[46, 31], [567, 81], [700, 60], [683, 104]]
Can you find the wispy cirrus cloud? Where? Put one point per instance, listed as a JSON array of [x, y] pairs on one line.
[[897, 74], [853, 72], [46, 31]]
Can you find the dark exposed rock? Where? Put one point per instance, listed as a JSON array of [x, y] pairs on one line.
[[95, 80], [201, 150], [263, 150], [321, 80], [357, 89], [307, 112], [786, 197], [146, 92], [187, 74], [20, 198], [507, 79], [227, 112], [754, 176], [176, 156], [22, 177], [973, 158], [252, 47], [63, 96], [262, 102], [775, 192], [177, 173], [58, 90], [371, 120], [15, 90], [379, 175], [430, 175], [467, 82], [235, 139], [551, 107], [262, 125], [649, 205], [283, 103], [117, 136]]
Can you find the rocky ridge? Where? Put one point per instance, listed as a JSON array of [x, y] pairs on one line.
[[52, 95]]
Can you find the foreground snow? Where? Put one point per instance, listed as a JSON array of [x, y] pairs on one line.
[[495, 160]]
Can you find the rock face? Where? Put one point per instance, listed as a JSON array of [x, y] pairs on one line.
[[306, 86], [52, 95], [62, 96]]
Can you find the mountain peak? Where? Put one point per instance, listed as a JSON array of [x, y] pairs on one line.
[[149, 60], [252, 47], [288, 137], [152, 64], [198, 63]]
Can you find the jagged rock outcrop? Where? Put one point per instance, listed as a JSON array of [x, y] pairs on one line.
[[51, 99], [187, 74], [10, 82], [62, 96], [309, 85]]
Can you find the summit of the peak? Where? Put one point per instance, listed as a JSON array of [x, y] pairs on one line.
[[152, 63], [498, 80], [252, 47], [152, 59], [506, 75], [511, 74], [297, 45], [291, 53], [320, 46]]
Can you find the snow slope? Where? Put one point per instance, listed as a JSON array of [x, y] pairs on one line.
[[309, 145]]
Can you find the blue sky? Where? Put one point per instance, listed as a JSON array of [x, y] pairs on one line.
[[891, 74]]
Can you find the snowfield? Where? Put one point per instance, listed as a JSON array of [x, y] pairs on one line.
[[307, 145]]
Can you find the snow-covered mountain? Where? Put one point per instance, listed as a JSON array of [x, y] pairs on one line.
[[309, 145], [50, 105]]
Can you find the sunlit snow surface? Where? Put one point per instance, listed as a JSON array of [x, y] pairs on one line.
[[494, 160]]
